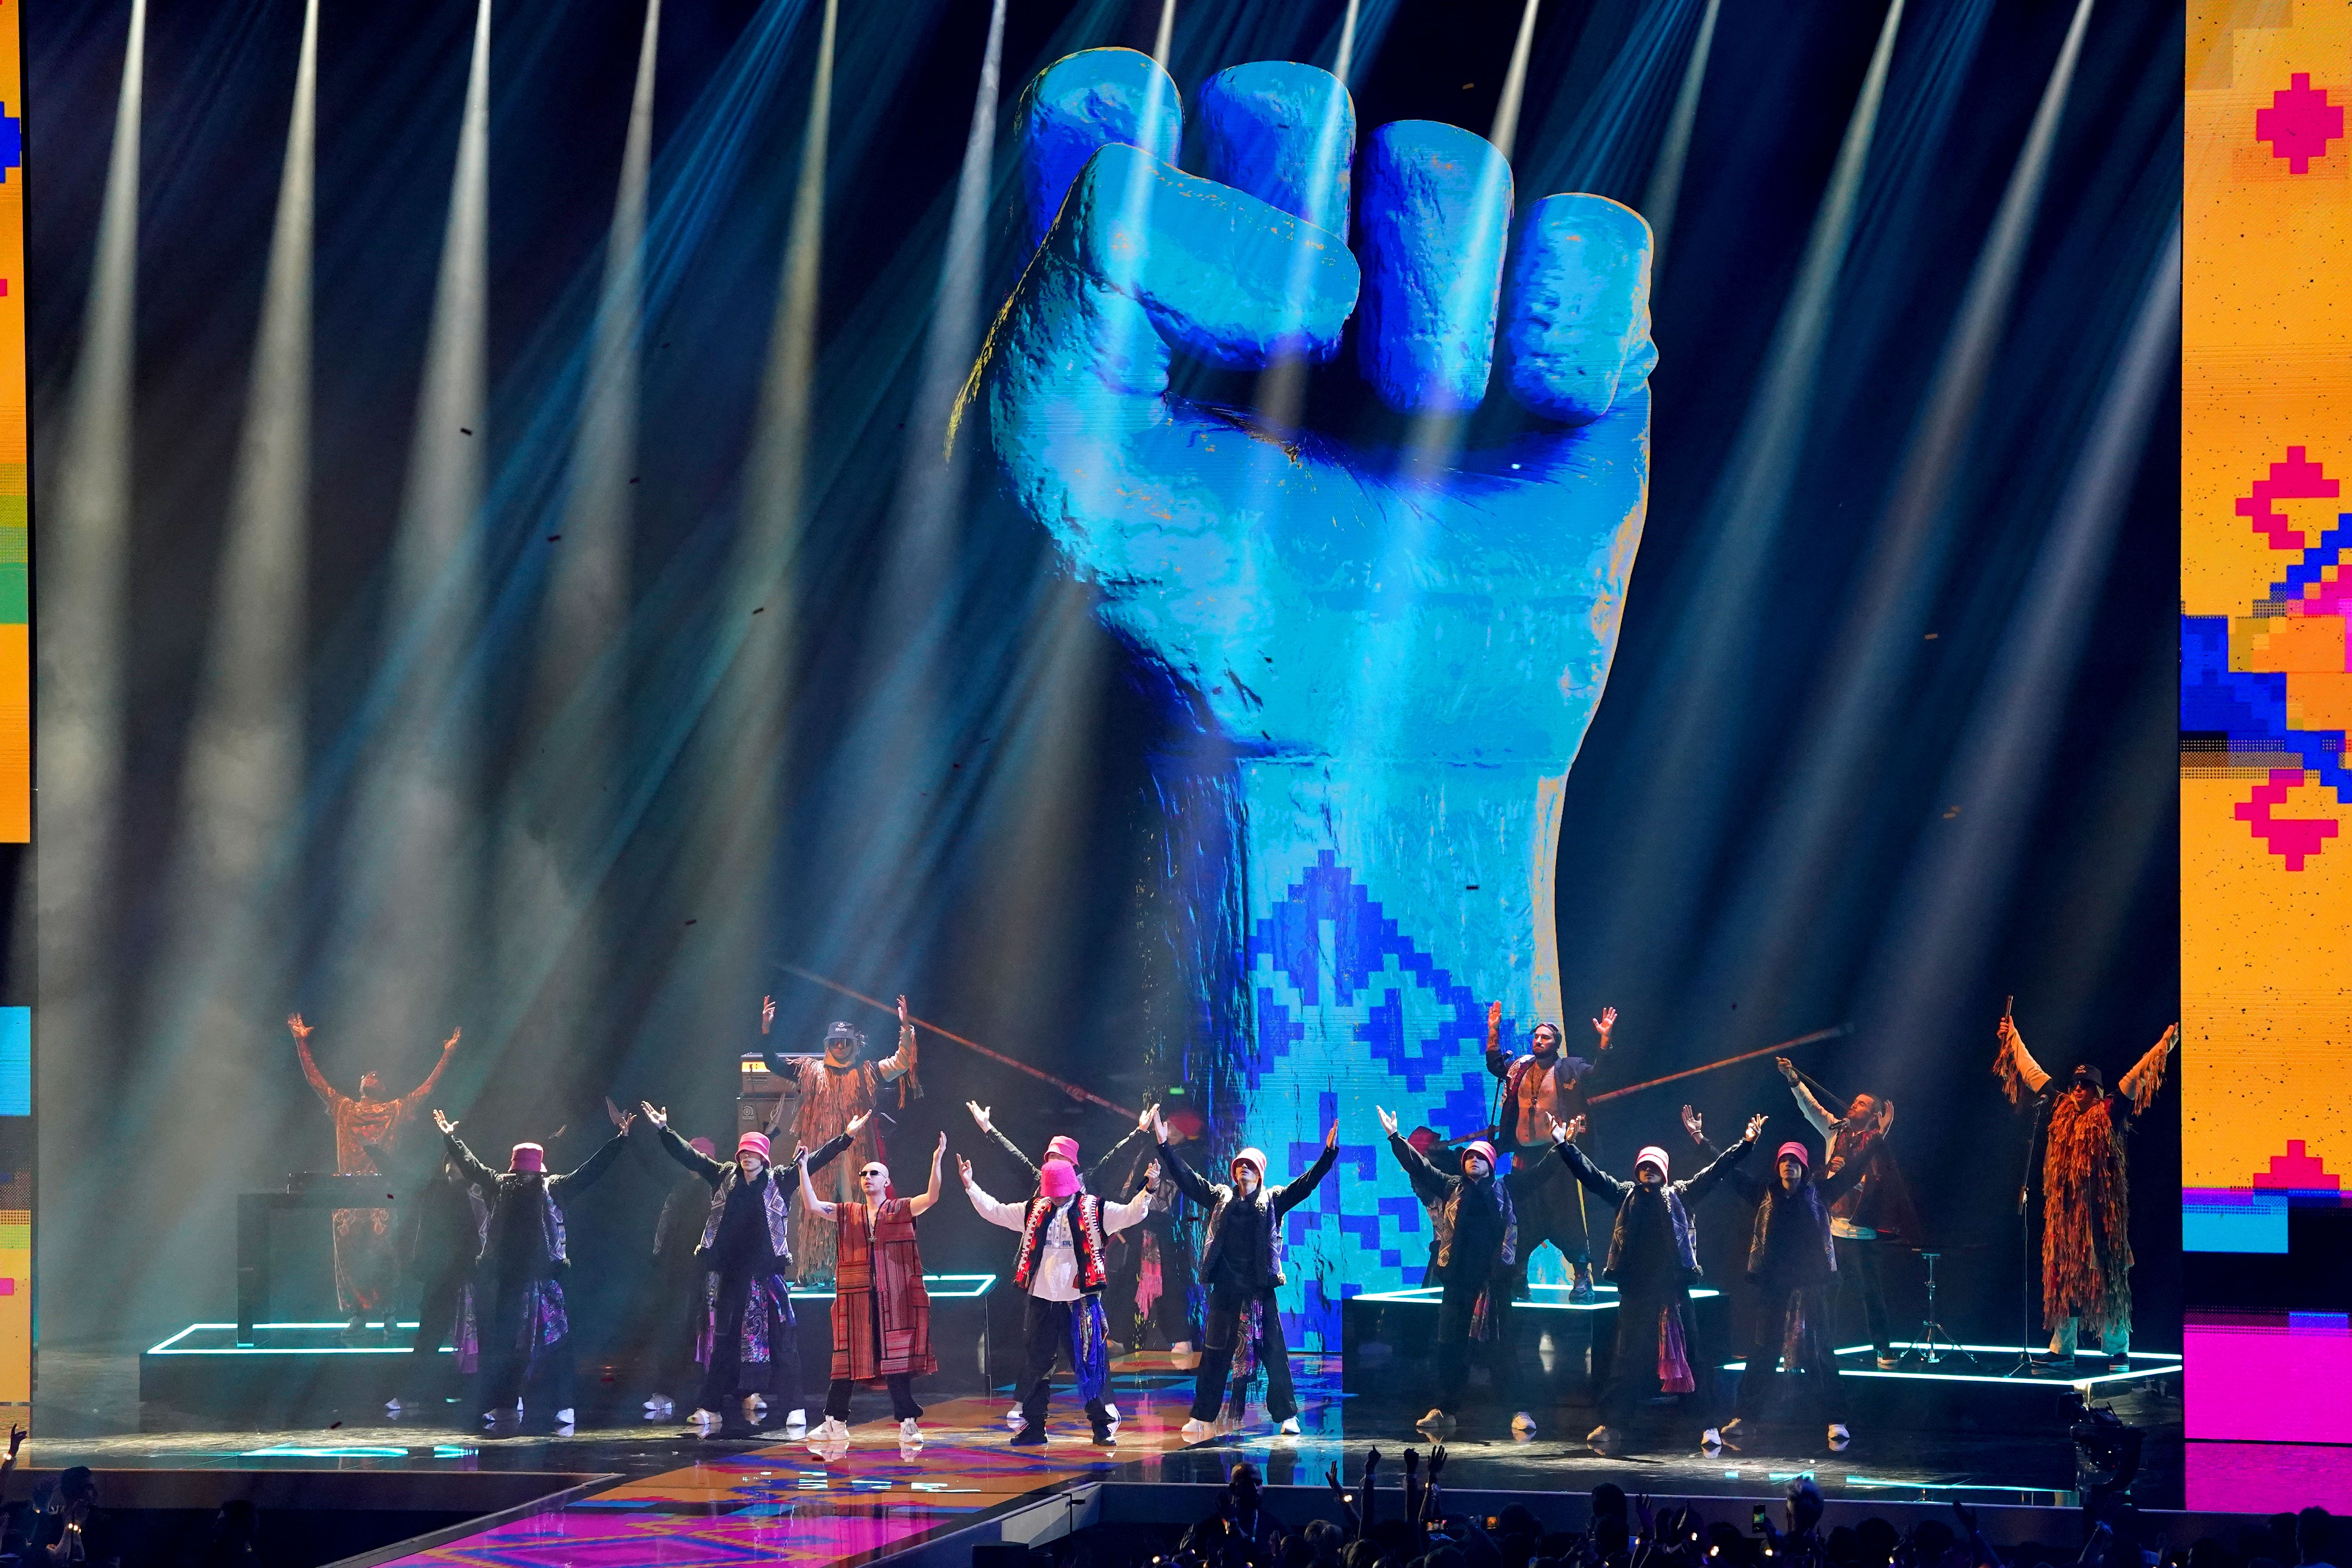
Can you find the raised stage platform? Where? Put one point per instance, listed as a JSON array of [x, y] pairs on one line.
[[653, 1492]]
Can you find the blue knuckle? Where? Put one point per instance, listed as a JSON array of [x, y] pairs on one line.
[[1284, 133], [1579, 329], [1435, 212], [1081, 104]]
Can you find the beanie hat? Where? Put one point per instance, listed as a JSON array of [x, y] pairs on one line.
[[1062, 1146], [1253, 1157], [1481, 1148], [527, 1157], [702, 1146], [1058, 1179], [1652, 1155], [754, 1144], [1792, 1150]]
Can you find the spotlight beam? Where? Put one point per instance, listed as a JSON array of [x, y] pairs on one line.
[[1665, 188], [1966, 869], [84, 560], [409, 884], [1877, 645], [1680, 828]]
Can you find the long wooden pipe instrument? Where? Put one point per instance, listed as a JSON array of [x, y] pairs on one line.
[[1073, 1090], [1784, 1046]]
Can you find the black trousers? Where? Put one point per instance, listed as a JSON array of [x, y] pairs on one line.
[[727, 1376], [1223, 1338], [1458, 1305], [901, 1385], [1633, 1363], [437, 1325], [1045, 1331], [545, 1377], [1547, 1200], [1861, 1272], [1815, 1369]]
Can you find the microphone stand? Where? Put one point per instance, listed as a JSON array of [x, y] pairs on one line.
[[2023, 1366]]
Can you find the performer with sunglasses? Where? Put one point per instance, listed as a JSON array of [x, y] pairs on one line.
[[882, 1313]]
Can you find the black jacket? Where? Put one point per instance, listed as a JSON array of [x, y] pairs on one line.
[[1677, 1197], [1249, 1224], [1789, 1243], [1472, 1217]]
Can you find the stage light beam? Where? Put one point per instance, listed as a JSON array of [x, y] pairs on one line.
[[1665, 188], [85, 562], [1879, 641], [409, 887]]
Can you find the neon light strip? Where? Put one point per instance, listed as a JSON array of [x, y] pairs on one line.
[[1427, 1296]]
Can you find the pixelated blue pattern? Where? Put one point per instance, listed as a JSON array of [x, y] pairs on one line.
[[15, 1061], [2249, 708]]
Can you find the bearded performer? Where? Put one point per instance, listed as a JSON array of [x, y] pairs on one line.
[[367, 1268], [1241, 1267], [1060, 1271], [834, 1091], [2086, 1254], [1539, 1089], [746, 1254], [1875, 1210], [519, 1281], [882, 1312], [1653, 1262]]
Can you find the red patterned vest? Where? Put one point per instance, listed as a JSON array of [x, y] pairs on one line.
[[1086, 1239]]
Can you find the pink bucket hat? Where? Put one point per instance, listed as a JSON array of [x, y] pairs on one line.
[[527, 1157], [1652, 1155], [1058, 1179], [1062, 1147], [1792, 1150], [756, 1143]]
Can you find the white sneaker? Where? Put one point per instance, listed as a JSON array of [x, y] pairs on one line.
[[830, 1431], [1711, 1439], [1289, 1429], [1435, 1418], [910, 1433], [1014, 1420], [704, 1418], [1839, 1436], [392, 1406], [656, 1403], [797, 1418], [1524, 1424], [563, 1416], [1195, 1429], [1111, 1414]]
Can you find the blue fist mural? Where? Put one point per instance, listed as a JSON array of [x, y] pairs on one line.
[[1405, 645]]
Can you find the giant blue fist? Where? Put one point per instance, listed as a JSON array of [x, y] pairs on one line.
[[1405, 645]]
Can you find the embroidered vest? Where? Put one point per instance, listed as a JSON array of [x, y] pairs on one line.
[[771, 1200], [1085, 1237]]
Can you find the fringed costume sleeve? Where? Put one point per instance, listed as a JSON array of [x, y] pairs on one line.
[[2017, 1069], [2146, 1075]]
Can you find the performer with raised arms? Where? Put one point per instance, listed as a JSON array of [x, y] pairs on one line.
[[1875, 1210], [2086, 1255], [1062, 1147], [1241, 1267], [519, 1281], [1472, 1257], [367, 1267], [747, 1258], [881, 1311], [1061, 1270], [1791, 1262], [1653, 1262], [1545, 1086], [835, 1091]]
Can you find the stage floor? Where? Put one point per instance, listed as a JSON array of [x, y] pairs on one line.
[[718, 1503]]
